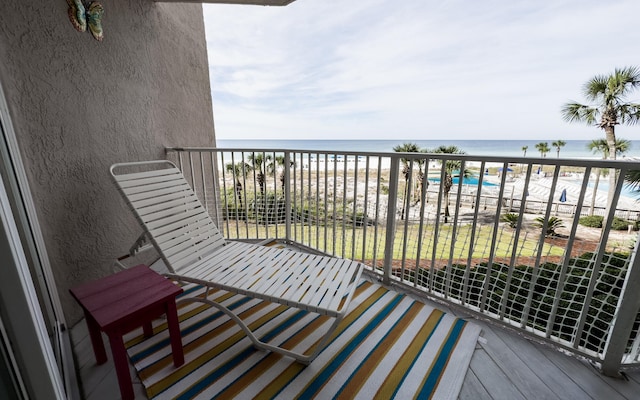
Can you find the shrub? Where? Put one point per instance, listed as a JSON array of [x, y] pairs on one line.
[[552, 224], [510, 218], [592, 221], [360, 219], [596, 221], [619, 224]]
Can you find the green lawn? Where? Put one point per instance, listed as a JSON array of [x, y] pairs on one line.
[[359, 243]]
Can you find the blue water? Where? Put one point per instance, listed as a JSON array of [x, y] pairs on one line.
[[627, 190], [466, 181], [505, 148]]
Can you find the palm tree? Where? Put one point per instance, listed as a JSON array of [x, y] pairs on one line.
[[237, 170], [543, 148], [406, 172], [449, 167], [609, 93], [558, 144], [524, 154], [280, 165], [422, 162], [262, 164], [600, 146]]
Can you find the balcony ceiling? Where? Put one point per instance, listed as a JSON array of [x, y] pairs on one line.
[[254, 2]]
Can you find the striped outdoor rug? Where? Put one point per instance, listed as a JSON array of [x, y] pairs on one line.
[[388, 346]]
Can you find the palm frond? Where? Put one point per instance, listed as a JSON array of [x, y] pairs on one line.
[[629, 114], [596, 87], [633, 179], [576, 112]]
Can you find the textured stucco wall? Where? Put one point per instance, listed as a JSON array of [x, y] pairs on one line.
[[79, 105]]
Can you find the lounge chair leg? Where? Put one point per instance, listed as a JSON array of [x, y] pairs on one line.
[[260, 345]]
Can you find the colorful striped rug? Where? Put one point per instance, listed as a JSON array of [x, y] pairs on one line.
[[388, 346]]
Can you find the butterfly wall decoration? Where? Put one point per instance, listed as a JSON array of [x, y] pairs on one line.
[[87, 17]]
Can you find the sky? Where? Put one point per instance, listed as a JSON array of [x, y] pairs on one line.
[[414, 69]]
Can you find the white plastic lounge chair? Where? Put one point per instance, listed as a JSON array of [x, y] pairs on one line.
[[194, 250]]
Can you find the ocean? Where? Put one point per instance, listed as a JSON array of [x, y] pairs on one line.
[[506, 148]]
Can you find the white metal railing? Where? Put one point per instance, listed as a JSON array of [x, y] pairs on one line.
[[506, 241]]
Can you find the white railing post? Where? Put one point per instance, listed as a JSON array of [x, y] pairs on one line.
[[391, 219], [287, 195], [624, 318]]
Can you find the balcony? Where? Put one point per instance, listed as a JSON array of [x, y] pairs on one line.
[[501, 240]]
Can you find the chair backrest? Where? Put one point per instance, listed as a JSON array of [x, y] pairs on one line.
[[168, 209]]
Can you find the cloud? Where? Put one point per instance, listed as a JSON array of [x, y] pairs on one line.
[[414, 69]]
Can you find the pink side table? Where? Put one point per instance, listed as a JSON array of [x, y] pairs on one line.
[[119, 303]]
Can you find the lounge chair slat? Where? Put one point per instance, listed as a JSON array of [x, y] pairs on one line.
[[166, 217], [171, 239], [177, 190], [143, 204], [150, 188], [274, 283], [148, 180], [170, 203], [141, 175], [171, 224]]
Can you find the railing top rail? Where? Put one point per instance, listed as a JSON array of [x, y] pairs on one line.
[[574, 162]]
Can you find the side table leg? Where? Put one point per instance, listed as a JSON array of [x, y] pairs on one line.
[[147, 328], [122, 365], [96, 339], [174, 331]]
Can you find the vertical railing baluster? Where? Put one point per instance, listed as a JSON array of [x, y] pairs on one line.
[[355, 204], [472, 239], [226, 200], [244, 170], [215, 187], [317, 218], [276, 198], [334, 190], [204, 187], [436, 225], [377, 217], [294, 197], [423, 200], [235, 195], [310, 218], [303, 213], [391, 219], [193, 182], [454, 233], [287, 195], [494, 244], [326, 194], [180, 160], [366, 209], [345, 178], [405, 210]]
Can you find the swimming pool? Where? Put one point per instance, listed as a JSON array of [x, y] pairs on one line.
[[466, 181], [603, 185]]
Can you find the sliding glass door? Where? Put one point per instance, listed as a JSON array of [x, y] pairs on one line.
[[36, 352]]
